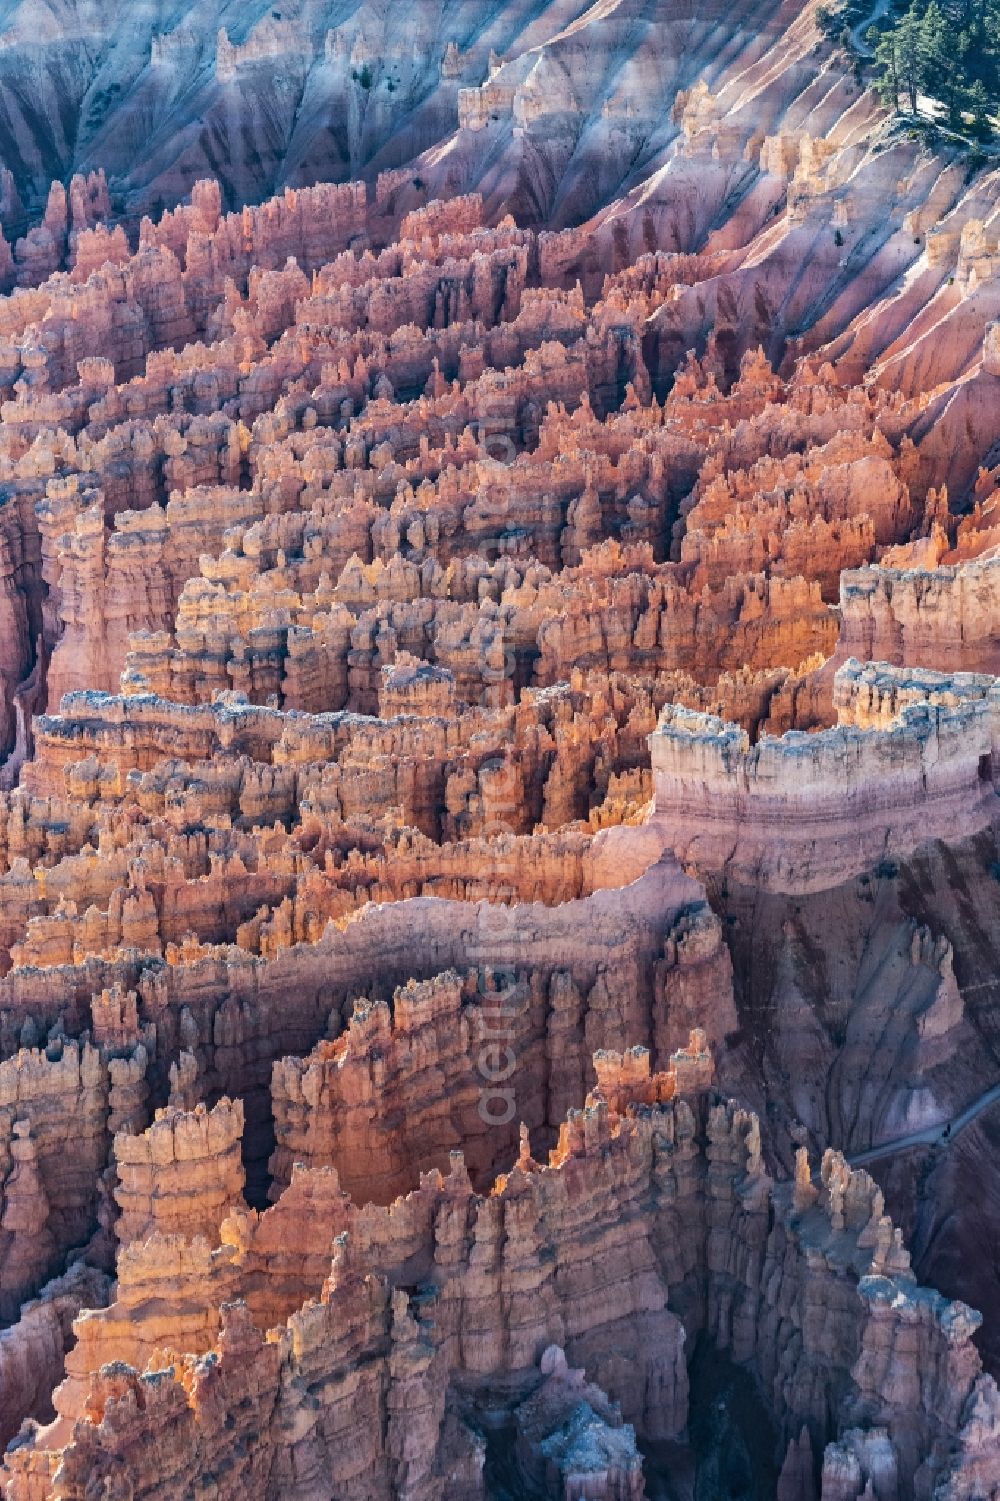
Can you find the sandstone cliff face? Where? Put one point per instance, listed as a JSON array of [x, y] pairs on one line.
[[180, 1176], [50, 1100], [33, 1349], [937, 617]]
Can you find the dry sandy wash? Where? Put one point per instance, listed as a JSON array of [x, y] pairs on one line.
[[499, 762]]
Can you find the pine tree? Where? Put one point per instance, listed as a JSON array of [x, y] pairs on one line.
[[944, 52], [979, 104], [887, 61], [949, 49], [912, 57]]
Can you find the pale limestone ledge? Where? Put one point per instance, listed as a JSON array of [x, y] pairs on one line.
[[871, 695], [910, 761]]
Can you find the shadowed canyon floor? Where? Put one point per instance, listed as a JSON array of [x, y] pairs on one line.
[[499, 761]]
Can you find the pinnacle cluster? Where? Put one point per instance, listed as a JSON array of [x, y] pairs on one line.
[[499, 766]]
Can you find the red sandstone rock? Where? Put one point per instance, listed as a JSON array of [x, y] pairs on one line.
[[392, 589]]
